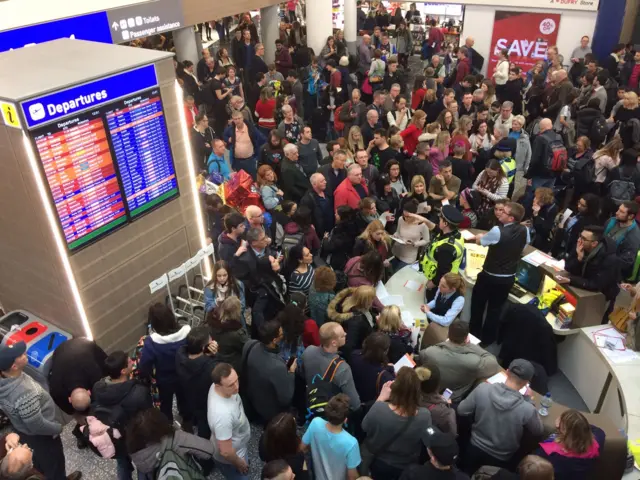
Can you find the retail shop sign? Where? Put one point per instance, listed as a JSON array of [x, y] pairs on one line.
[[145, 19], [524, 35], [93, 27], [73, 100]]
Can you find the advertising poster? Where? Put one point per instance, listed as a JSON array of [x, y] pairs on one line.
[[525, 35]]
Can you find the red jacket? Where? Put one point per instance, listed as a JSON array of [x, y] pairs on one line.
[[464, 69], [311, 333], [190, 116], [346, 194], [410, 136]]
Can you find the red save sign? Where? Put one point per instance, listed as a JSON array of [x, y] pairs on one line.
[[525, 36]]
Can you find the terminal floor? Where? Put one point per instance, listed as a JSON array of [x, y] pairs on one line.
[[95, 468]]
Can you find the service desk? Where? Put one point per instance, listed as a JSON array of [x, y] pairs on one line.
[[611, 391]]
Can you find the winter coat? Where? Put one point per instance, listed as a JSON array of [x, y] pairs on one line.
[[338, 247], [601, 273], [159, 351], [227, 247], [346, 194], [269, 300], [318, 303], [442, 415], [231, 337], [294, 182], [195, 379], [400, 345], [99, 436], [355, 278], [369, 377], [525, 333], [355, 323], [131, 397]]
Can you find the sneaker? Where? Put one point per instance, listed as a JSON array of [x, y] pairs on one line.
[[75, 476]]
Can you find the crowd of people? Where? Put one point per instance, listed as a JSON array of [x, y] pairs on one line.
[[294, 336]]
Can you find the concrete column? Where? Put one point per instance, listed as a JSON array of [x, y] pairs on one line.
[[319, 24], [187, 46], [351, 24], [269, 31]]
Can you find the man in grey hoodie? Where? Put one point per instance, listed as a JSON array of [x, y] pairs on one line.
[[460, 362], [32, 413], [500, 415]]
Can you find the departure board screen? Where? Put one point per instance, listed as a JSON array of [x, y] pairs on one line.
[[107, 166], [82, 178], [139, 137]]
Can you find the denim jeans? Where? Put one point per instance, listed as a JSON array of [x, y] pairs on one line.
[[230, 472], [124, 468], [249, 165]]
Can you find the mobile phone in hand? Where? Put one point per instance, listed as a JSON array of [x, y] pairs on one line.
[[290, 361], [447, 394]]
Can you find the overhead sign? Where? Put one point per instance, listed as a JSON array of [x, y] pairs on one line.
[[524, 35], [89, 95], [93, 27], [539, 5], [145, 19], [10, 114]]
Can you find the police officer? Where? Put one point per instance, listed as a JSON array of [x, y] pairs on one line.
[[505, 149], [446, 251]]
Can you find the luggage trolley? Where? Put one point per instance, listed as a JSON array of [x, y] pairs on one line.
[[200, 279], [184, 309]]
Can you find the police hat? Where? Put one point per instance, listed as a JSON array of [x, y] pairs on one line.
[[452, 215]]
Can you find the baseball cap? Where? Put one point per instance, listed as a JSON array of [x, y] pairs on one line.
[[522, 369], [9, 353], [452, 215], [443, 446]]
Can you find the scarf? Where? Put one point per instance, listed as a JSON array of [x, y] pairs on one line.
[[593, 253], [222, 292], [490, 184]]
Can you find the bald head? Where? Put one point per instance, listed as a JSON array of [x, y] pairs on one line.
[[17, 463], [561, 75], [80, 399], [469, 42], [545, 124], [329, 331], [252, 211]]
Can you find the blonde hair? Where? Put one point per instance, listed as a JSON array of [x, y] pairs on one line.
[[352, 145], [390, 319], [373, 227], [230, 309], [396, 141], [442, 141], [417, 116], [433, 127], [455, 280], [465, 121], [361, 298], [415, 181]]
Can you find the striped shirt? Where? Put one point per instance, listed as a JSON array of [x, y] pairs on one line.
[[301, 282]]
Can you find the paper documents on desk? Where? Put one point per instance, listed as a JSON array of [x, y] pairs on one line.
[[407, 318], [405, 361], [467, 235], [413, 285], [501, 377], [611, 343], [392, 300], [381, 291], [537, 258]]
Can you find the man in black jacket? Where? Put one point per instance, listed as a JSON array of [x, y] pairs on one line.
[[538, 173], [320, 203], [117, 399], [270, 381], [255, 250], [419, 164], [594, 266], [194, 363], [258, 64], [294, 181], [334, 173]]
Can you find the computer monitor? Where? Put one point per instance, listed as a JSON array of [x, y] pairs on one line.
[[529, 277]]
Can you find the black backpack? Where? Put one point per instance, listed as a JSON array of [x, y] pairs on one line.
[[622, 189], [450, 81], [322, 389], [114, 417], [598, 132], [584, 173]]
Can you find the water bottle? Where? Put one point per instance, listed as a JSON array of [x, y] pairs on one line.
[[545, 405]]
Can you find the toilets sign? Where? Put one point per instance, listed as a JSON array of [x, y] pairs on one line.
[[145, 19]]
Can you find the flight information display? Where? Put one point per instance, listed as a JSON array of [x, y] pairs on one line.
[[82, 178], [141, 145], [107, 166]]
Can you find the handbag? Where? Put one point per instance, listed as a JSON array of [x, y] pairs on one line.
[[369, 456], [619, 318]]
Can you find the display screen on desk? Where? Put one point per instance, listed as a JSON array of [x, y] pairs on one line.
[[107, 166]]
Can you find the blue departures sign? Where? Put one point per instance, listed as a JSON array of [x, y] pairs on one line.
[[93, 27], [63, 103]]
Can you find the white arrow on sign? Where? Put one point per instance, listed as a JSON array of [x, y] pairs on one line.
[[114, 25]]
